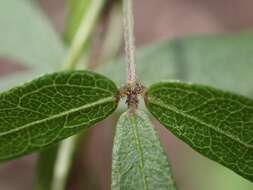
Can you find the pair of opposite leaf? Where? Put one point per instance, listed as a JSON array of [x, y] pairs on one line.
[[215, 123]]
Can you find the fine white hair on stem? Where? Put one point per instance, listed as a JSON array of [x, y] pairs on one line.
[[129, 40]]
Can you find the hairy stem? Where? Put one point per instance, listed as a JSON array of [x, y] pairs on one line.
[[129, 41]]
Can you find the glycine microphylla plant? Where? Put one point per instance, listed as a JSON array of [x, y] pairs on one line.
[[216, 123]]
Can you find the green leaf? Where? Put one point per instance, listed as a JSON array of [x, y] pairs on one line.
[[139, 161], [51, 108], [215, 123], [27, 36], [218, 61]]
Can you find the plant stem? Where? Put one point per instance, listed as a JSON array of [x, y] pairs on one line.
[[45, 168], [63, 162], [83, 33], [129, 41]]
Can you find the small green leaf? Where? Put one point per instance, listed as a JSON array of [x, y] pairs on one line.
[[51, 108], [139, 161], [217, 124]]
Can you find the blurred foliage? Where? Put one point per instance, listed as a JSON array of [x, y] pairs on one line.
[[219, 61], [27, 35], [204, 174], [29, 39]]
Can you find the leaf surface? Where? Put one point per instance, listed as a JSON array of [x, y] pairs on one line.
[[139, 161], [51, 108], [217, 124]]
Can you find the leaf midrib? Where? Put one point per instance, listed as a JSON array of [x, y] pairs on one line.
[[139, 150], [161, 104], [100, 101]]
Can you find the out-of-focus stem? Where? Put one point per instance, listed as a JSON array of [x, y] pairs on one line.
[[64, 162], [83, 33]]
